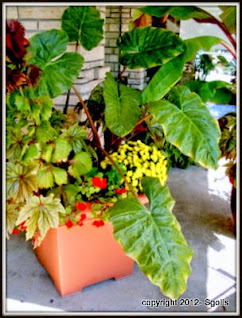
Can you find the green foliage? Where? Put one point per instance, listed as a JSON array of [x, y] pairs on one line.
[[227, 142], [42, 212], [121, 106], [53, 168], [74, 135], [21, 181], [57, 75], [96, 104], [192, 129], [80, 164], [148, 47], [153, 238], [11, 216], [170, 73], [83, 24], [164, 79], [62, 150], [179, 12], [218, 92], [228, 17]]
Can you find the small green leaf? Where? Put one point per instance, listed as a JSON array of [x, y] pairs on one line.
[[188, 125], [22, 103], [62, 150], [122, 109], [21, 181], [47, 151], [32, 152], [74, 135], [60, 175], [83, 24], [148, 47], [40, 212], [81, 164], [70, 192], [45, 132], [45, 178], [153, 238]]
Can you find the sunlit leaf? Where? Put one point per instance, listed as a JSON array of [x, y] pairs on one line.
[[21, 181], [42, 213], [188, 125], [153, 238], [81, 164]]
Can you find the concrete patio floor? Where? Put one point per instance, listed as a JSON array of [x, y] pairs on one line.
[[203, 210]]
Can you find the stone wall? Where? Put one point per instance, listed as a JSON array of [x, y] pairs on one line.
[[37, 19], [117, 22]]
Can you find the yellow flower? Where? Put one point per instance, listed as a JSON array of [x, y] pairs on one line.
[[103, 164]]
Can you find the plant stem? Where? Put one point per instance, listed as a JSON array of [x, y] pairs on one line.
[[121, 73], [119, 171], [69, 91], [228, 48], [138, 123], [164, 18], [94, 130], [67, 101], [141, 120]]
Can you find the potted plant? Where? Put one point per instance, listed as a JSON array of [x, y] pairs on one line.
[[58, 169]]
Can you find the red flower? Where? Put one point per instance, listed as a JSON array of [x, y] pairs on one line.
[[100, 183], [80, 223], [23, 227], [15, 231], [120, 191], [81, 206], [98, 223], [83, 216], [69, 224]]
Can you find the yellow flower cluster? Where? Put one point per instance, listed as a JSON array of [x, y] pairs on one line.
[[139, 160]]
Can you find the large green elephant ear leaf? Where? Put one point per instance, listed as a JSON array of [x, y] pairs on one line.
[[188, 125], [122, 109], [170, 73], [153, 238], [83, 24], [148, 47], [57, 74]]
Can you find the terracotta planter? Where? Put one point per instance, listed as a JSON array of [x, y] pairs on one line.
[[83, 255]]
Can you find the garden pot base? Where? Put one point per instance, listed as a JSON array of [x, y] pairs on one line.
[[81, 256]]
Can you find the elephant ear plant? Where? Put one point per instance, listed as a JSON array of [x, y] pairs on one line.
[[55, 166]]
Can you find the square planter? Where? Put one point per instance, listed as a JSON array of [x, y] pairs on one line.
[[83, 255]]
